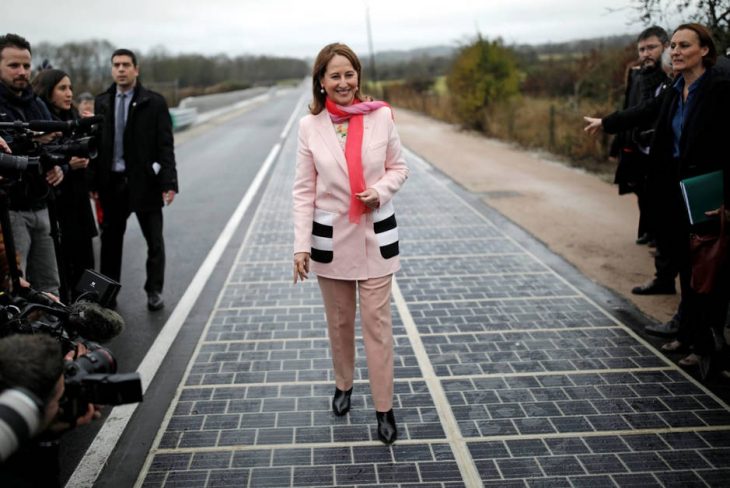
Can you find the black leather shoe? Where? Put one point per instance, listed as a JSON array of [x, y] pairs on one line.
[[155, 301], [341, 401], [387, 432], [644, 239], [668, 329], [654, 287]]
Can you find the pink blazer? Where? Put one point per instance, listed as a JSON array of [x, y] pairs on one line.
[[340, 249]]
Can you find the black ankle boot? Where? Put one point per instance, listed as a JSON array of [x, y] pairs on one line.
[[341, 401], [387, 432]]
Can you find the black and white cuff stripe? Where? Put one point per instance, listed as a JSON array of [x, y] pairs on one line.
[[322, 236], [386, 230]]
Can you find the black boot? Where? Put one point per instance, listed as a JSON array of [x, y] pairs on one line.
[[341, 401], [387, 432]]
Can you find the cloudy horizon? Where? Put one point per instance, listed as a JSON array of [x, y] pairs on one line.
[[297, 29]]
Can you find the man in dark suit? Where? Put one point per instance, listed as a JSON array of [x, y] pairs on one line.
[[134, 171]]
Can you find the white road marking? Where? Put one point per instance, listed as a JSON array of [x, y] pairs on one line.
[[467, 468]]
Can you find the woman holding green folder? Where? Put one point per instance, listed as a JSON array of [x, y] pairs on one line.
[[691, 140]]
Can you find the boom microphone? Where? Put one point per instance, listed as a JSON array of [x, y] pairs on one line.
[[94, 322], [64, 126]]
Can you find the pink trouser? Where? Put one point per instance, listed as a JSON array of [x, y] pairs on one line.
[[377, 332]]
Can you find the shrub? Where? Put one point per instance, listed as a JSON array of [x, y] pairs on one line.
[[482, 73]]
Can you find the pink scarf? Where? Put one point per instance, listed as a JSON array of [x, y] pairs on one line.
[[353, 147]]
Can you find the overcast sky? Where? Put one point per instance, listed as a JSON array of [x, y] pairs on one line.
[[300, 28]]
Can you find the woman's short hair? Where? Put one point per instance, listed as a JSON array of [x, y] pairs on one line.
[[320, 67], [705, 36]]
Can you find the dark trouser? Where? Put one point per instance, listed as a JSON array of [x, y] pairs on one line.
[[645, 221], [666, 258], [703, 315], [78, 255], [115, 204]]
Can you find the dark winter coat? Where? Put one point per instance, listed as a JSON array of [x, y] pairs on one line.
[[703, 145], [72, 195], [147, 140], [32, 190], [641, 85]]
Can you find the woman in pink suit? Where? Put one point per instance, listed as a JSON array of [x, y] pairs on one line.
[[349, 166]]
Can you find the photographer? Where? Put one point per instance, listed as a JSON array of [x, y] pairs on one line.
[[28, 208], [31, 388], [75, 217]]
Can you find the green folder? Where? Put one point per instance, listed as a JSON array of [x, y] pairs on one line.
[[702, 193]]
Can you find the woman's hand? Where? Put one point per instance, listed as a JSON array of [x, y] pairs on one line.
[[369, 197], [716, 213], [301, 266], [594, 125], [78, 163]]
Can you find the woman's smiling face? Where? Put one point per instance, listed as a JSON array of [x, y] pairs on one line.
[[340, 80]]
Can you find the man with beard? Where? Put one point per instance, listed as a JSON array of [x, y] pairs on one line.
[[646, 86], [28, 208], [645, 82]]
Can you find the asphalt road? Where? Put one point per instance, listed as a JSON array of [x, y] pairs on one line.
[[215, 168]]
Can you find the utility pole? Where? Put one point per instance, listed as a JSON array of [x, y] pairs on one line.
[[373, 73]]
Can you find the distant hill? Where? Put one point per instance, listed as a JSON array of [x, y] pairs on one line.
[[392, 56], [577, 46], [568, 47]]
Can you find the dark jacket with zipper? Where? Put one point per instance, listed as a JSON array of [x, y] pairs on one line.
[[147, 140]]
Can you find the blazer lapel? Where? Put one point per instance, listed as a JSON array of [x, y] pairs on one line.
[[327, 133]]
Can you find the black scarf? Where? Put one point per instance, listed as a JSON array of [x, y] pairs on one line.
[[649, 80]]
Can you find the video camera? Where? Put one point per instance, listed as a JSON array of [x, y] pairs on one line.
[[91, 378], [79, 139]]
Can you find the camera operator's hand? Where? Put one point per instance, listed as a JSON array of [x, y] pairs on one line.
[[4, 146], [78, 163], [54, 177], [53, 405], [48, 137], [52, 408], [92, 412]]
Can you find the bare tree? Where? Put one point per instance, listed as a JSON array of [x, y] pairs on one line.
[[715, 14]]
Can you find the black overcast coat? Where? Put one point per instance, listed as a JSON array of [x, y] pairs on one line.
[[147, 140], [703, 146]]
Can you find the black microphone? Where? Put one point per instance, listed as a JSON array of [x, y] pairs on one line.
[[94, 322], [64, 126]]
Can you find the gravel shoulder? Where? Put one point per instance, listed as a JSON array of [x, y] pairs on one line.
[[576, 214]]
